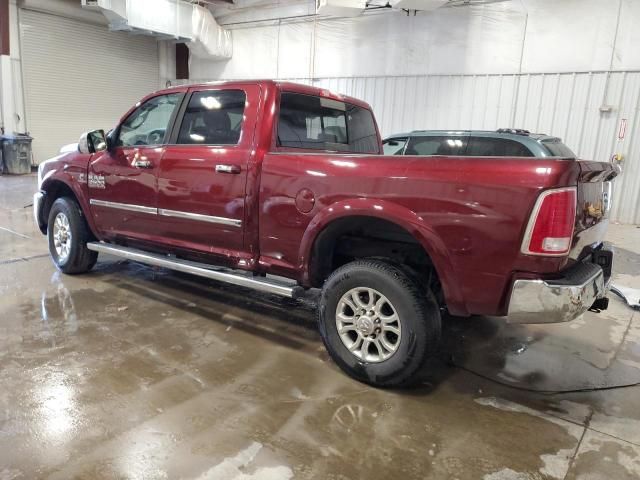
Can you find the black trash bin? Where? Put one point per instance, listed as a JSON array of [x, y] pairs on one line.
[[16, 153]]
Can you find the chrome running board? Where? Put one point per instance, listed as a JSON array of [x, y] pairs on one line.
[[283, 287]]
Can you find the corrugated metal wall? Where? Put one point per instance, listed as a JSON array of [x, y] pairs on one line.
[[564, 104]]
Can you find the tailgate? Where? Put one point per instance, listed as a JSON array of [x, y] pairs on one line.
[[594, 204]]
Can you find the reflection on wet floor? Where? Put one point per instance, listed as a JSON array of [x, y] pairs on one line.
[[596, 351], [136, 372]]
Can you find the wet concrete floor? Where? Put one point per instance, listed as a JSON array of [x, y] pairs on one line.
[[141, 373]]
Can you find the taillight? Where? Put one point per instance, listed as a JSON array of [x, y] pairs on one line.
[[550, 228]]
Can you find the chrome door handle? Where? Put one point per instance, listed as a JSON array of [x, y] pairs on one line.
[[142, 164], [235, 169]]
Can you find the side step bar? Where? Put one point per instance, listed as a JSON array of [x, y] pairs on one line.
[[285, 288]]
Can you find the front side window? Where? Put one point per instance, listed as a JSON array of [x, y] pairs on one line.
[[307, 121], [496, 147], [437, 145], [148, 124], [213, 117], [394, 146]]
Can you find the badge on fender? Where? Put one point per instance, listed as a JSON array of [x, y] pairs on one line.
[[96, 181]]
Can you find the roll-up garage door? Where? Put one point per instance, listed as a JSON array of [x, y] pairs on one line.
[[80, 76]]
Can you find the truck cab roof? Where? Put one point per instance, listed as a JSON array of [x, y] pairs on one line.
[[282, 86]]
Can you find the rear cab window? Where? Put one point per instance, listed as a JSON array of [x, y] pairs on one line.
[[318, 123]]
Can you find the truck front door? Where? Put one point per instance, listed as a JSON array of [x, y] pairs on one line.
[[122, 181], [203, 173]]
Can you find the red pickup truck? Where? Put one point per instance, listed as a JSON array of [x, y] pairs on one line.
[[282, 187]]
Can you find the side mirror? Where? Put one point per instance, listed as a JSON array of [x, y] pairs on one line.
[[92, 142], [393, 143]]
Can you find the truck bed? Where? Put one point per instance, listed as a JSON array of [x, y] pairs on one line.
[[470, 213]]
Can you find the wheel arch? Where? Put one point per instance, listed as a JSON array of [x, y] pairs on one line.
[[332, 221], [55, 188]]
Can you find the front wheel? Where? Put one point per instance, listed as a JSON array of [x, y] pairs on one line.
[[380, 326], [68, 234]]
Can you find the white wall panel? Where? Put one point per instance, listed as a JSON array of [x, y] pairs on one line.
[[504, 37], [626, 52], [574, 33], [295, 45], [478, 39]]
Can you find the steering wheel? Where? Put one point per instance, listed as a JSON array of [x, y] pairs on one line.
[[155, 137]]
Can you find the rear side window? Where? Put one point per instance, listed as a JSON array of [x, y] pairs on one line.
[[213, 117], [319, 123], [443, 145], [556, 148], [394, 146], [496, 147]]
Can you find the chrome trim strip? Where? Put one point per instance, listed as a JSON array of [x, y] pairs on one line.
[[240, 278], [124, 206], [168, 213], [200, 218]]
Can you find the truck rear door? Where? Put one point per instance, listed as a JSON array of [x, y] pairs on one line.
[[203, 172]]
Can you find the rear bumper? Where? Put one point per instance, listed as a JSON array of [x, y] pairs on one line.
[[559, 300], [38, 202]]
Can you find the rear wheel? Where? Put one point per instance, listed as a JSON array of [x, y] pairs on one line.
[[68, 235], [377, 323]]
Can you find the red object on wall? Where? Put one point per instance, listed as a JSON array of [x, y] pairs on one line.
[[623, 129]]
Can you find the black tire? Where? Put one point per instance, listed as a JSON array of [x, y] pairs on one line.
[[79, 258], [416, 308]]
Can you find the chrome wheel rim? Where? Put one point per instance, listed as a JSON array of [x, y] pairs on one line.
[[368, 324], [62, 236]]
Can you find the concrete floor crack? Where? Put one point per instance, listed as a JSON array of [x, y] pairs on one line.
[[575, 453]]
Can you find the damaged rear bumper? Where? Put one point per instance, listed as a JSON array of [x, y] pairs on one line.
[[582, 287]]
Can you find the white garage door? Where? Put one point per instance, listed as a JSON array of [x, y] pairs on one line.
[[79, 77]]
